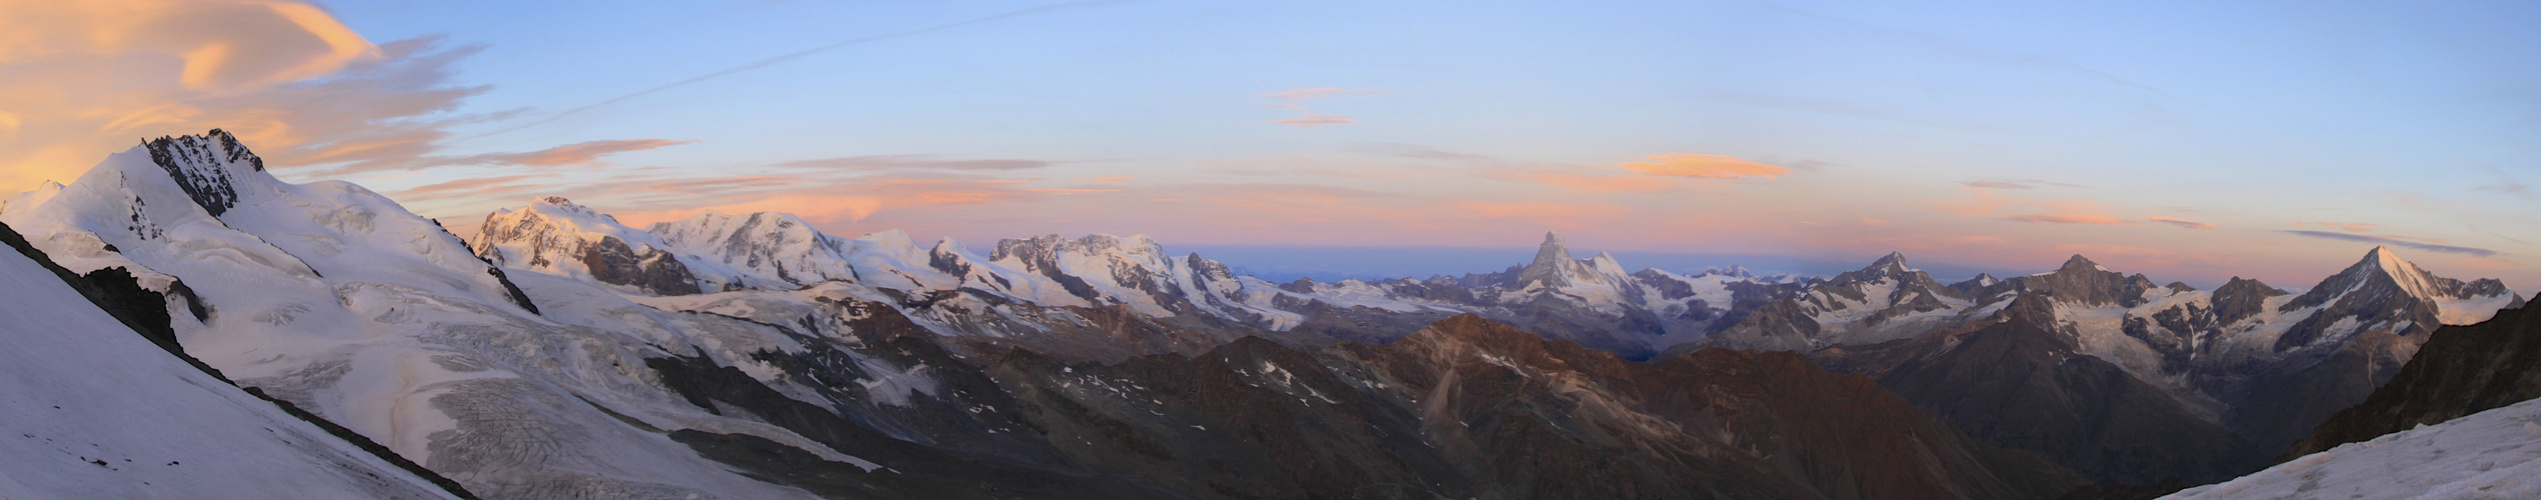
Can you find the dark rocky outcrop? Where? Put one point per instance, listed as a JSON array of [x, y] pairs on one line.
[[612, 261]]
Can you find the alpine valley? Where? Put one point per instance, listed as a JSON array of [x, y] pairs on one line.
[[231, 325]]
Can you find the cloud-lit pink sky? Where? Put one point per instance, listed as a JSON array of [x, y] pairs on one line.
[[2183, 140]]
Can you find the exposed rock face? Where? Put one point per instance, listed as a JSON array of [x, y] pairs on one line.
[[2083, 282], [198, 164], [612, 261], [2240, 299], [2460, 371]]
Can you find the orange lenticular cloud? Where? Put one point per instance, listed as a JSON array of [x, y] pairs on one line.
[[1705, 166], [85, 79]]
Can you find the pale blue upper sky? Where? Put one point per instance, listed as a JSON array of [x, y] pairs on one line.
[[2190, 140]]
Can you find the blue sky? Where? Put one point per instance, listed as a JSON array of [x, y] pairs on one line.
[[2189, 140]]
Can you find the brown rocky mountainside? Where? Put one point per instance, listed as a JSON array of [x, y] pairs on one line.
[[2460, 371], [2015, 383], [1468, 408], [1465, 408]]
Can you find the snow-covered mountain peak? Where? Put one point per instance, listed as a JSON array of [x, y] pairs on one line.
[[2080, 264], [2382, 267], [1893, 262], [558, 205], [1553, 265], [1734, 271], [1605, 263], [2382, 291], [2406, 274], [30, 198], [765, 250], [556, 236], [892, 239], [948, 245]]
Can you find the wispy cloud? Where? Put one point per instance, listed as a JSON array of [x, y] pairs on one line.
[[1313, 93], [2383, 240], [2352, 227], [570, 154], [2014, 184], [469, 186], [2068, 218], [1983, 202], [1586, 180], [1315, 120], [1704, 166], [1412, 151], [913, 162], [1538, 210], [790, 56], [2507, 185], [2181, 222]]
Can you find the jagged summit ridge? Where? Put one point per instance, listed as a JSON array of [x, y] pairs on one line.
[[1894, 262], [206, 166]]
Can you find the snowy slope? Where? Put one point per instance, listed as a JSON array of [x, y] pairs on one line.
[[92, 409], [2490, 454], [337, 299]]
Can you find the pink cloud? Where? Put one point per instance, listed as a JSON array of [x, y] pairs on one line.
[[1315, 120], [1704, 166], [2181, 222], [570, 154], [1579, 181], [1313, 93], [2068, 219], [1538, 210]]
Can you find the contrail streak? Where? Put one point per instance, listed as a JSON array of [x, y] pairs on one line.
[[762, 63]]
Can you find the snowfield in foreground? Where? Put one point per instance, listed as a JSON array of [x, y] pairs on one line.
[[2489, 454], [91, 409]]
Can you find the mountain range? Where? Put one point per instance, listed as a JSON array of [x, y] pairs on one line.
[[558, 352]]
